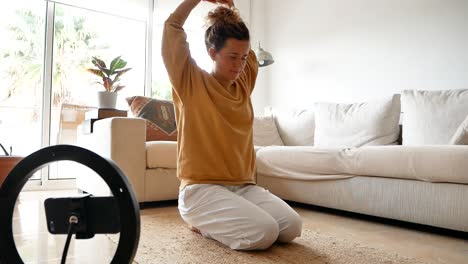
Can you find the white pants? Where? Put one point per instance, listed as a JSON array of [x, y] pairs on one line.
[[241, 217]]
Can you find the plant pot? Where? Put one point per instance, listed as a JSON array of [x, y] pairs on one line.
[[7, 163], [107, 99]]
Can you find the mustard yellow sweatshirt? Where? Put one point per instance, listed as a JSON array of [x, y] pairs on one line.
[[215, 139]]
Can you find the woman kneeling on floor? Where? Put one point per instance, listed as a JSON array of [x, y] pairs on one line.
[[214, 114]]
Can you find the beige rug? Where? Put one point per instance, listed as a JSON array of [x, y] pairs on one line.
[[166, 239]]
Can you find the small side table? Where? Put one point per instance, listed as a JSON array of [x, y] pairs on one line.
[[98, 114]]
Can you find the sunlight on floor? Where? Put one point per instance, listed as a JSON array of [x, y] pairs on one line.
[[36, 245]]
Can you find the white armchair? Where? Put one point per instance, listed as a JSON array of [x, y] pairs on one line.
[[149, 166]]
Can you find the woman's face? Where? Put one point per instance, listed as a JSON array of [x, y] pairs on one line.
[[230, 61]]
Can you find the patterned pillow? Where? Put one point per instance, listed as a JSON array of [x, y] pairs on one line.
[[159, 115]]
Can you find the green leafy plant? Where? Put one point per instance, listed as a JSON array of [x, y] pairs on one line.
[[110, 75]]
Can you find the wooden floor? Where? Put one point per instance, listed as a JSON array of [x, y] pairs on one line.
[[428, 244], [36, 245]]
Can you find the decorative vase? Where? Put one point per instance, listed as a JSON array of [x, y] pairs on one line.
[[107, 99], [7, 163]]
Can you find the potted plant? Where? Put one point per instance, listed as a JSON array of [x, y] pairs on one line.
[[110, 79], [7, 162]]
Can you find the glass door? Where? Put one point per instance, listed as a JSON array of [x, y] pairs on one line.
[[80, 34], [40, 38], [22, 31]]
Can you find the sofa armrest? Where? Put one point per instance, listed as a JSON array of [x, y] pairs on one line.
[[122, 140]]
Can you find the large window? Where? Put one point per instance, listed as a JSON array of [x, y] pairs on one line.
[[194, 27], [22, 54], [79, 35]]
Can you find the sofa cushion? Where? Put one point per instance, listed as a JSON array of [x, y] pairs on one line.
[[161, 154], [360, 124], [437, 163], [295, 126], [159, 115], [302, 162], [461, 135], [431, 163], [265, 132], [432, 117]]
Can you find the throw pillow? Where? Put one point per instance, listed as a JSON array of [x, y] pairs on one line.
[[295, 126], [265, 132], [432, 117], [159, 115], [461, 135], [359, 124]]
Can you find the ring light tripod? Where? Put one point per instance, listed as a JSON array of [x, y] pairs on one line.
[[127, 212]]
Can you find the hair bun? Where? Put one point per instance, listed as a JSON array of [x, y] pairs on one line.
[[222, 16]]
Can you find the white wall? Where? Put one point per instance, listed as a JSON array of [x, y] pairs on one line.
[[257, 26], [346, 51]]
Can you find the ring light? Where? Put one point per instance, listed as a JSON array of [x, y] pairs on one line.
[[129, 211]]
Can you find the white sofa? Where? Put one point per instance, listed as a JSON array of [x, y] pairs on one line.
[[421, 183]]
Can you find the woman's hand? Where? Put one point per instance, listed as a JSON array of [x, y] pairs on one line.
[[229, 3]]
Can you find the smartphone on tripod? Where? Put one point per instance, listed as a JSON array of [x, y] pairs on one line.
[[96, 215]]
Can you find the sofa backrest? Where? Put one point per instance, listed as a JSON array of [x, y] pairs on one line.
[[426, 118], [378, 118], [432, 117], [295, 126]]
